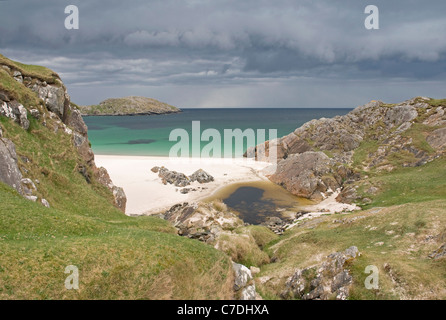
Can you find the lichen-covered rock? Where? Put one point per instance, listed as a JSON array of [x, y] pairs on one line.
[[329, 280], [15, 111], [9, 170]]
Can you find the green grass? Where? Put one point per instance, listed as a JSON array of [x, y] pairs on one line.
[[39, 72], [397, 228], [437, 102]]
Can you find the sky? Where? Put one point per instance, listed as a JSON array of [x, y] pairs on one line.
[[244, 53]]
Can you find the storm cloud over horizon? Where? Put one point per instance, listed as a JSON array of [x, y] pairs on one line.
[[234, 53]]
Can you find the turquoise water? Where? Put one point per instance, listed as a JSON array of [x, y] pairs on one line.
[[149, 135]]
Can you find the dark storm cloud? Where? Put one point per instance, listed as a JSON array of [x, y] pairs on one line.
[[231, 47]]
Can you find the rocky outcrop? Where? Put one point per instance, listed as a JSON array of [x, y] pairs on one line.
[[320, 156], [179, 179], [329, 280], [202, 221]]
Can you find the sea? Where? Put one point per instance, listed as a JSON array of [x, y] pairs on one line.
[[149, 135]]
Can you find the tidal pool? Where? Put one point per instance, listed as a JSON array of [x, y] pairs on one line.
[[256, 201]]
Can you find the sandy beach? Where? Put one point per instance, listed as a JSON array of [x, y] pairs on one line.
[[146, 194]]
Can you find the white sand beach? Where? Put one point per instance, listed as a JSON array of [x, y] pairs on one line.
[[146, 194]]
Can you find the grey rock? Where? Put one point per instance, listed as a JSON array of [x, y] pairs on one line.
[[201, 176], [437, 139], [119, 197], [53, 96], [242, 276], [45, 203], [31, 198], [9, 170], [172, 177], [399, 114], [300, 174], [248, 293], [75, 121]]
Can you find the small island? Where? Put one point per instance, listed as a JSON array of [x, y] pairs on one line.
[[128, 106]]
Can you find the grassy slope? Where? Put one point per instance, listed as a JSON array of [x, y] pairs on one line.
[[117, 256]]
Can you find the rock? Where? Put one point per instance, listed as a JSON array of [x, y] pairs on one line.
[[327, 280], [437, 139], [45, 203], [172, 177], [249, 293], [31, 198], [301, 174], [201, 176], [15, 111], [119, 197], [9, 170], [28, 186], [75, 121], [35, 113], [439, 253], [18, 76], [242, 276], [400, 114], [203, 221], [53, 96]]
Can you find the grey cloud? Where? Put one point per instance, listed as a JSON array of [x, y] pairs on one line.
[[218, 44]]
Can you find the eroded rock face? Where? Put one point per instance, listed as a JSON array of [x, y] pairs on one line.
[[9, 170], [301, 174], [329, 280]]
